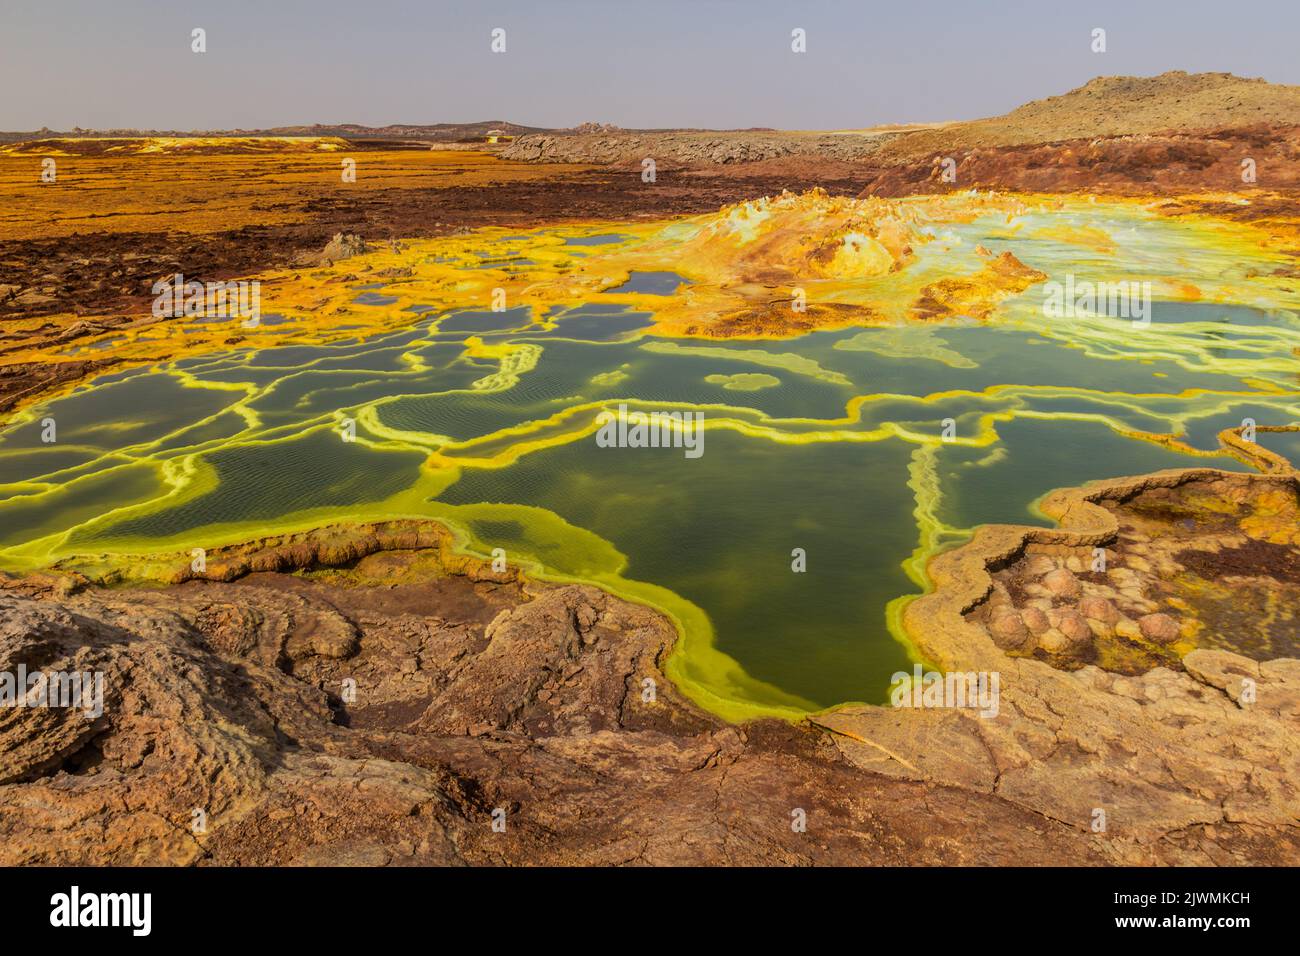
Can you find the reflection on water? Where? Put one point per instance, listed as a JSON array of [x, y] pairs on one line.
[[651, 283], [829, 443]]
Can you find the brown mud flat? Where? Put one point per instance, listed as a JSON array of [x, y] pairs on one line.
[[89, 267], [103, 262], [477, 692]]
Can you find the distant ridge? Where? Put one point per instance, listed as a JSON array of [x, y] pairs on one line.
[[432, 132], [1121, 106], [1107, 106]]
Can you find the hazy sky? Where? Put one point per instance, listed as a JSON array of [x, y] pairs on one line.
[[714, 63]]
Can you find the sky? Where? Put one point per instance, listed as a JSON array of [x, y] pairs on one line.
[[657, 63]]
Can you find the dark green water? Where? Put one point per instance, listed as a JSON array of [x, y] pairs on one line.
[[208, 448]]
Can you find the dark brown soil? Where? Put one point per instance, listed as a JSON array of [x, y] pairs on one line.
[[110, 274], [1254, 559]]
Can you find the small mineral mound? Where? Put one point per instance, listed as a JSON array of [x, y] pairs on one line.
[[1201, 565], [853, 259], [810, 234]]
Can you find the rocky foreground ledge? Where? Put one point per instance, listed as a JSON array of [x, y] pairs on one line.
[[1178, 740], [366, 696]]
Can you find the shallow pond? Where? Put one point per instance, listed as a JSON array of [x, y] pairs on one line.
[[833, 445]]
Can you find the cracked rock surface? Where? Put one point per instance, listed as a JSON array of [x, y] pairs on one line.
[[379, 705], [1201, 752]]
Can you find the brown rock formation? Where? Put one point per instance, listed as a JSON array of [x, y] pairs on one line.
[[671, 149], [381, 710], [469, 697], [1199, 751]]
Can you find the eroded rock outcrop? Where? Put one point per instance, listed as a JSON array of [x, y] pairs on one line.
[[453, 698], [674, 148], [1187, 741], [356, 696]]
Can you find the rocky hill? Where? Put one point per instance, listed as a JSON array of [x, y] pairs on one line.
[[1119, 106], [691, 148], [1108, 106]]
